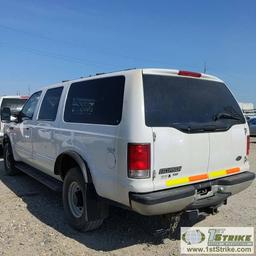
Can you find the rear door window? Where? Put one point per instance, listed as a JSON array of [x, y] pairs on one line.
[[188, 103], [50, 104], [98, 101]]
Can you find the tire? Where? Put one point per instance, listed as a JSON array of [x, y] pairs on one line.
[[9, 162], [75, 203]]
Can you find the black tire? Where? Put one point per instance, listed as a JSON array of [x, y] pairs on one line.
[[75, 203], [9, 162]]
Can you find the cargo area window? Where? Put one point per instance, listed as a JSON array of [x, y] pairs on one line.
[[189, 104], [97, 101]]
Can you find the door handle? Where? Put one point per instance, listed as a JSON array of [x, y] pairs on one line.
[[27, 128]]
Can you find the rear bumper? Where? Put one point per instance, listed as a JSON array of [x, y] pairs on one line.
[[187, 197]]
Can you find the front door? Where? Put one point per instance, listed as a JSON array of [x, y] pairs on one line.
[[22, 131]]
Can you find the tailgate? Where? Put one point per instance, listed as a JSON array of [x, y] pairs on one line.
[[179, 158]]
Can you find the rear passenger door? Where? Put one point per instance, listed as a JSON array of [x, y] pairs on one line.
[[44, 146]]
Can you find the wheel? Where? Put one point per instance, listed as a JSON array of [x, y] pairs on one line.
[[9, 162], [75, 203]]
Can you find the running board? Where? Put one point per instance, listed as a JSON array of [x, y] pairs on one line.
[[43, 178]]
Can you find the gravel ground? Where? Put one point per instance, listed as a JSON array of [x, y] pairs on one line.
[[32, 223]]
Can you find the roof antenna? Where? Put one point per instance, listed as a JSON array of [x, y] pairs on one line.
[[205, 68]]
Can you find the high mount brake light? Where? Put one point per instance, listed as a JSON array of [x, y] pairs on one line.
[[138, 161], [189, 73]]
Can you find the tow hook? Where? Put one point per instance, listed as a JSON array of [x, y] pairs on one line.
[[220, 189]]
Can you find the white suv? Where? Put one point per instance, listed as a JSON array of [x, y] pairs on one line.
[[155, 141]]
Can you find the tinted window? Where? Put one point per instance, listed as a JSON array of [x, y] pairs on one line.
[[98, 101], [174, 101], [30, 106], [50, 104], [14, 104]]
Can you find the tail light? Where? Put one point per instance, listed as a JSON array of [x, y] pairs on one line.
[[138, 161], [248, 146]]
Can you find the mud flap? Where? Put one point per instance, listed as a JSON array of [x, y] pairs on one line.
[[96, 207]]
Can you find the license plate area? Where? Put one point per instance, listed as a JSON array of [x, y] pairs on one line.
[[203, 192]]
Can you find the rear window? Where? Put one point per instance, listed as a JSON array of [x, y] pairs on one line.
[[184, 102], [98, 101], [14, 104]]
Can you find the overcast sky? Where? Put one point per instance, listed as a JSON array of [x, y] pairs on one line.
[[43, 42]]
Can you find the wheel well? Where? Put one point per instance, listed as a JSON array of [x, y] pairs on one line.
[[66, 161], [97, 208], [63, 164]]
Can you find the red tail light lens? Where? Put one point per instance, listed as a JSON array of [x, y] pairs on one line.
[[248, 146], [189, 73], [138, 161]]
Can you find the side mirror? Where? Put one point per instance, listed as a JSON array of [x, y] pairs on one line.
[[6, 115]]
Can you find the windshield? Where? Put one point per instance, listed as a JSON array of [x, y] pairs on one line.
[[187, 102], [14, 104]]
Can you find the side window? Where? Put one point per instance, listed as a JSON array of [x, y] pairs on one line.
[[30, 106], [98, 101], [50, 104]]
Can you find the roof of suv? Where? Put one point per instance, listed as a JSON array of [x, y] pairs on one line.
[[176, 72], [156, 71]]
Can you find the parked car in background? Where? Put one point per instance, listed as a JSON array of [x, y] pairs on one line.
[[247, 118], [155, 141], [252, 126], [15, 104]]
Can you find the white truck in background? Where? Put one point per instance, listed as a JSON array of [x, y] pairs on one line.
[[15, 104]]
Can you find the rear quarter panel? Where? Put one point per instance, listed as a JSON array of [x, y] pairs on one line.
[[104, 147]]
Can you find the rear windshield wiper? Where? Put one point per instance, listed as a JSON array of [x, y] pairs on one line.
[[197, 127], [225, 115]]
